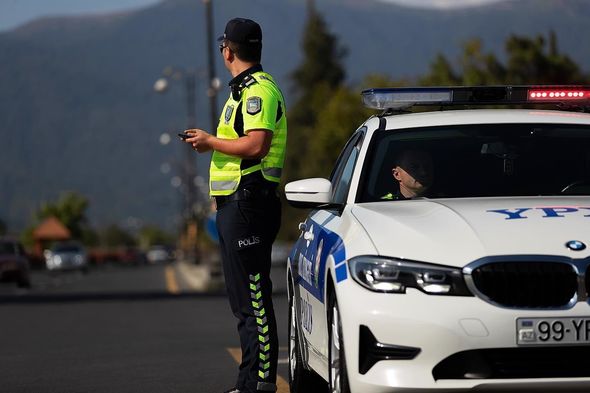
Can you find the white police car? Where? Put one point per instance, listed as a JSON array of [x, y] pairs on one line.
[[478, 283]]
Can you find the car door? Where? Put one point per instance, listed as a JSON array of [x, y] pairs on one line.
[[320, 242]]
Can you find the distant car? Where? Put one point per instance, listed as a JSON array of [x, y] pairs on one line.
[[66, 256], [160, 254], [14, 264], [131, 256]]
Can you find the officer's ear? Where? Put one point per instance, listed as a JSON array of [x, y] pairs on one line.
[[395, 173], [229, 55]]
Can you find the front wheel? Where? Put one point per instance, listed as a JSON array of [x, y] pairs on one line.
[[338, 375], [300, 379]]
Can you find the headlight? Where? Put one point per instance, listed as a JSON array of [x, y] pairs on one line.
[[394, 275]]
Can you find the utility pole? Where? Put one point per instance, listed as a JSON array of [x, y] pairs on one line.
[[213, 81], [190, 169], [188, 165]]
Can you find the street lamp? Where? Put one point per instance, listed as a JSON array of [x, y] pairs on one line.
[[188, 168]]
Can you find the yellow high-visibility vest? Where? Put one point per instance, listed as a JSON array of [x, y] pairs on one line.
[[261, 105]]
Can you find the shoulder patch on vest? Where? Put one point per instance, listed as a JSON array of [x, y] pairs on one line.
[[228, 112], [253, 105]]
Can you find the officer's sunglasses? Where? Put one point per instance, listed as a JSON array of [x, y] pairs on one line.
[[222, 46]]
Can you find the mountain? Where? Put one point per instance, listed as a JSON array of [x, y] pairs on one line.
[[78, 112]]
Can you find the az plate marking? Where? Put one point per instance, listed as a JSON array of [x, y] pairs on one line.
[[553, 331]]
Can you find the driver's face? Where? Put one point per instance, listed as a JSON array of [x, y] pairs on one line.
[[415, 173]]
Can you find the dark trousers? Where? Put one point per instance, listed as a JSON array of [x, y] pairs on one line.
[[247, 229]]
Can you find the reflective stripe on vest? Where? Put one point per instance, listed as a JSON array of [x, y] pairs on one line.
[[223, 185]]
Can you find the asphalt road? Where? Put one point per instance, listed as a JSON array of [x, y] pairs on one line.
[[122, 329]]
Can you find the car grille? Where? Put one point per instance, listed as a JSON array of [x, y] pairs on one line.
[[509, 363], [526, 284]]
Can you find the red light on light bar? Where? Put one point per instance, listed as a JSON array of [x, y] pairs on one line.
[[558, 95]]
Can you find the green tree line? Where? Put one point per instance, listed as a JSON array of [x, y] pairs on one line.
[[71, 210]]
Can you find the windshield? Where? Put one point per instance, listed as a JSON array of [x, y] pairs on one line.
[[477, 161], [67, 248]]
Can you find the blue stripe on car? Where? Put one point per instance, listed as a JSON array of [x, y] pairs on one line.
[[341, 273], [332, 245]]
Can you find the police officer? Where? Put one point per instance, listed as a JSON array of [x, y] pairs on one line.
[[248, 157]]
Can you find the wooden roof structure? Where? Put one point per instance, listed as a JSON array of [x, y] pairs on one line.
[[51, 229]]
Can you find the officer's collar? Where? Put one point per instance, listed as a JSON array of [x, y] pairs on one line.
[[239, 78]]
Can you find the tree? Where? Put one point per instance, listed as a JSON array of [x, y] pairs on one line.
[[152, 235], [114, 236], [70, 209], [441, 74], [339, 118], [321, 67], [529, 61], [315, 80]]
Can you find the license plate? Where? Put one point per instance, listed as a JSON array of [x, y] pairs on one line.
[[547, 331]]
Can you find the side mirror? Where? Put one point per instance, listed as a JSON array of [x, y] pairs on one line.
[[309, 193]]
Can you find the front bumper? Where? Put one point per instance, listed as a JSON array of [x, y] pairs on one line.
[[440, 326]]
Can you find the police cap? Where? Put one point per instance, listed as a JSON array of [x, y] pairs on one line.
[[242, 31]]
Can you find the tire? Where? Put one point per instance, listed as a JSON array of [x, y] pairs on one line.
[[338, 377], [301, 380]]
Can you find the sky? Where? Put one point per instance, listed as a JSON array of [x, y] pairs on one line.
[[16, 12]]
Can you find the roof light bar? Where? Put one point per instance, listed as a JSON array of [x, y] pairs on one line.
[[400, 98], [405, 97], [559, 94]]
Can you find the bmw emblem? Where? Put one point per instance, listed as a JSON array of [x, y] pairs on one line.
[[575, 245]]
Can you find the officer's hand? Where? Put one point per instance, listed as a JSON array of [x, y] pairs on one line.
[[200, 140]]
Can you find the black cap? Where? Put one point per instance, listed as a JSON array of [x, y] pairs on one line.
[[242, 31]]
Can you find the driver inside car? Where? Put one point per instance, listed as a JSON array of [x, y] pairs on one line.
[[413, 172]]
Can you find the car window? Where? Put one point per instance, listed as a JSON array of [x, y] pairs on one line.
[[67, 248], [345, 167], [485, 160]]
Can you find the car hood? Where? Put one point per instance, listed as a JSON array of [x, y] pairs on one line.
[[457, 231]]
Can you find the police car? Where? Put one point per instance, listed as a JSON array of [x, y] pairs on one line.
[[478, 282]]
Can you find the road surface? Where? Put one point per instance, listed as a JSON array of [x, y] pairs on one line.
[[123, 329]]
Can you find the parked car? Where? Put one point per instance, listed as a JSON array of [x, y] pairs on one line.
[[478, 281], [66, 256], [14, 264], [160, 254]]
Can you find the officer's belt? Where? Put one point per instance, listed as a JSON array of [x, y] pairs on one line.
[[246, 194]]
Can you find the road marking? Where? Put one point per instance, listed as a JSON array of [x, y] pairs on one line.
[[171, 283], [282, 385]]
